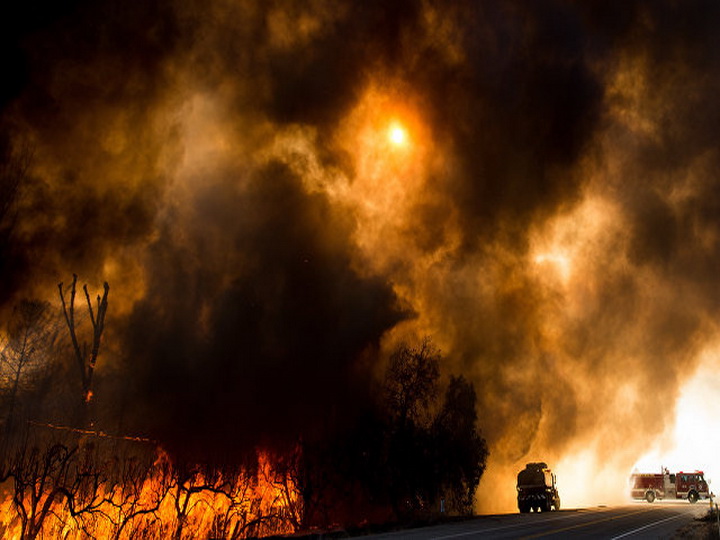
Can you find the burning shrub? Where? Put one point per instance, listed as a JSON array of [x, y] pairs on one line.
[[92, 486]]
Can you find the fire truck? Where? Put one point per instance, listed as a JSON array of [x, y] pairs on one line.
[[666, 485]]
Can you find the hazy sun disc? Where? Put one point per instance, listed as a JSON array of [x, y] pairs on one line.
[[397, 134]]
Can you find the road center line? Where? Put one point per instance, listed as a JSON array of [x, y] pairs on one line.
[[494, 529], [648, 525], [581, 525]]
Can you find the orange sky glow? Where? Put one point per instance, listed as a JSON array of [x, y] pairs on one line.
[[280, 194]]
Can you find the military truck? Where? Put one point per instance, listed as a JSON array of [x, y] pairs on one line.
[[537, 489]]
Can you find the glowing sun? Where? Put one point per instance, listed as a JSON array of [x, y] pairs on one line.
[[397, 135]]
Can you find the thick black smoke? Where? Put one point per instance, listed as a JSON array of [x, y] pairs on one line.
[[273, 353], [191, 154]]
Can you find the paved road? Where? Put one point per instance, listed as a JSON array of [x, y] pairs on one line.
[[641, 520]]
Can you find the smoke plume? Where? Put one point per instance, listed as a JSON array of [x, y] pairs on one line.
[[552, 219]]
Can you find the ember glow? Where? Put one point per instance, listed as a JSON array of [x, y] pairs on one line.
[[282, 193]]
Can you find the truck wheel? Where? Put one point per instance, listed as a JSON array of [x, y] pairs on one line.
[[693, 497], [524, 508], [650, 496]]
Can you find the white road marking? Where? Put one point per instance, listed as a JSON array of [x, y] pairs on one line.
[[648, 525], [512, 526]]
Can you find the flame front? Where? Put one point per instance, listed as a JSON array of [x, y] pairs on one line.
[[160, 501]]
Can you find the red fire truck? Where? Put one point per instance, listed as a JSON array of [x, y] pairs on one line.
[[683, 485]]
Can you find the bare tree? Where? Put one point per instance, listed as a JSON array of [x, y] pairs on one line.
[[234, 518], [188, 482], [86, 359], [288, 479], [136, 498], [88, 489], [62, 490], [39, 479], [31, 333], [228, 501], [195, 486]]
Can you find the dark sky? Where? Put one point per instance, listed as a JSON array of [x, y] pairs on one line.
[[552, 222]]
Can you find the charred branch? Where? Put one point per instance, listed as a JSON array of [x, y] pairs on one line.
[[85, 361]]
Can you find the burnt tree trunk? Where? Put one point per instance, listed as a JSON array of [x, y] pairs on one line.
[[85, 361]]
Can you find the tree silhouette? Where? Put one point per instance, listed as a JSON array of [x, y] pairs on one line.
[[434, 450], [411, 382], [85, 359], [30, 334], [461, 451], [40, 477]]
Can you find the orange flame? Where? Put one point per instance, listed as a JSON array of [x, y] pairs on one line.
[[164, 501]]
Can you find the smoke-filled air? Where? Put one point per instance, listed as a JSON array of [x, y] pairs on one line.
[[268, 207]]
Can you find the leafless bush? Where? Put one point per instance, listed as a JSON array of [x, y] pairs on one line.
[[85, 488]]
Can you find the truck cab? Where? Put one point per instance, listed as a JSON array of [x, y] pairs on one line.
[[691, 486]]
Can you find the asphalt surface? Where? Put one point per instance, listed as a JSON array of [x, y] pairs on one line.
[[639, 520]]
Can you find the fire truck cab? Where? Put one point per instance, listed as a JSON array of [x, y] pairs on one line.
[[682, 485]]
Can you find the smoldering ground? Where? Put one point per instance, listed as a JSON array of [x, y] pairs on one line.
[[552, 223]]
